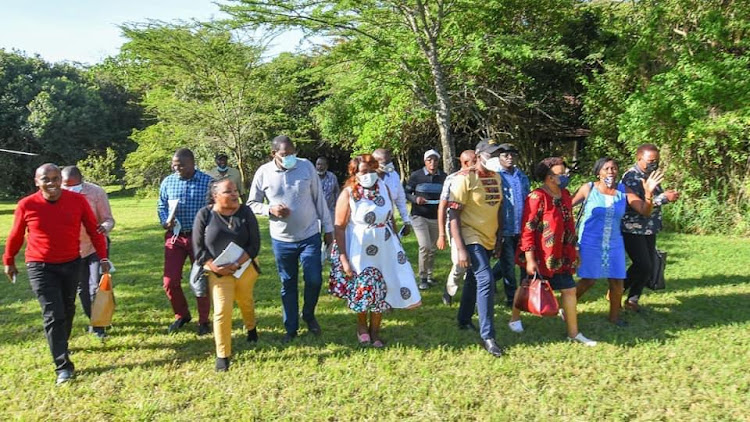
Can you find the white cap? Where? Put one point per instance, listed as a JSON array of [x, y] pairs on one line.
[[430, 153]]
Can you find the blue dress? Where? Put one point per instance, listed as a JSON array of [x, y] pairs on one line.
[[599, 237]]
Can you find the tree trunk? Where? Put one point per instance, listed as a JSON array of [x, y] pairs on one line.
[[443, 109]]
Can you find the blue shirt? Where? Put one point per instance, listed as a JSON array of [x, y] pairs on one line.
[[192, 194], [516, 188]]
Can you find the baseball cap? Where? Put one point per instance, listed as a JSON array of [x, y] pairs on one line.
[[430, 153], [507, 148], [488, 145]]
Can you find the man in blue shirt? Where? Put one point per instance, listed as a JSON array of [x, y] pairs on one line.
[[181, 195], [516, 187]]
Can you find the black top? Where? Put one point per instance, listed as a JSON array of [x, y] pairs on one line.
[[428, 186], [212, 233]]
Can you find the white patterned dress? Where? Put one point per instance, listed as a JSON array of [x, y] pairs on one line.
[[384, 278]]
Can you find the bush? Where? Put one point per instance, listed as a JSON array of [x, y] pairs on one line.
[[100, 169]]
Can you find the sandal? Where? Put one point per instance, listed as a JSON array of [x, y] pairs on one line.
[[363, 338]]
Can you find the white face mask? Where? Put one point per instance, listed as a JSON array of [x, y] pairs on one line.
[[493, 164], [387, 167], [77, 188], [367, 180]]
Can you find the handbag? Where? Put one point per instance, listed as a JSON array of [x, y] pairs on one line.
[[656, 282], [537, 297], [104, 303], [198, 280]]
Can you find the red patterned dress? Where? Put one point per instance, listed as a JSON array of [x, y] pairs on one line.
[[548, 229]]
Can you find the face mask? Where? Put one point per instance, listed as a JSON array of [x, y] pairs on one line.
[[651, 167], [387, 167], [222, 169], [564, 180], [77, 188], [322, 173], [609, 181], [289, 161], [176, 230], [367, 180], [493, 164]]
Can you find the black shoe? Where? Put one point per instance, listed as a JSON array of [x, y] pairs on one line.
[[222, 364], [98, 332], [620, 323], [314, 327], [447, 299], [467, 326], [423, 284], [252, 335], [65, 375], [288, 337], [492, 347], [177, 324], [204, 329], [431, 282]]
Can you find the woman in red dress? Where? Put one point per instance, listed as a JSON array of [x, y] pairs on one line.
[[548, 242]]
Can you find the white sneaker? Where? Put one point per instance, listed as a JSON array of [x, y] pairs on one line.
[[580, 338], [516, 326]]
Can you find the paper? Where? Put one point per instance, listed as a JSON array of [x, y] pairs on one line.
[[242, 268], [231, 254], [172, 204]]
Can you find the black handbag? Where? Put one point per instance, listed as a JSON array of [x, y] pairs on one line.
[[657, 279], [199, 280]]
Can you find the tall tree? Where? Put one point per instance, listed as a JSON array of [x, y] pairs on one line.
[[408, 36]]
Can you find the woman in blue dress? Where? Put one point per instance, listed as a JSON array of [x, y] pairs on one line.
[[601, 247]]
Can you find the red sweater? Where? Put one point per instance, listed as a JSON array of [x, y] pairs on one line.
[[54, 229]]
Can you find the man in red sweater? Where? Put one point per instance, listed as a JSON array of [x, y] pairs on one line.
[[51, 219]]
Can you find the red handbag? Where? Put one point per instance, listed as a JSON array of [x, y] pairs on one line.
[[537, 297]]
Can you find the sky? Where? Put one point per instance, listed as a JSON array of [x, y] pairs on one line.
[[86, 31]]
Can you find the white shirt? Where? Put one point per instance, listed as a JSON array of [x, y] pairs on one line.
[[393, 181]]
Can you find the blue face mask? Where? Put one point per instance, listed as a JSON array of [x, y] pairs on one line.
[[564, 180], [289, 161], [222, 169]]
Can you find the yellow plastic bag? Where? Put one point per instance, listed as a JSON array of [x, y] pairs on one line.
[[104, 303]]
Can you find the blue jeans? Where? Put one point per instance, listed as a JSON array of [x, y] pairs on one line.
[[479, 288], [505, 268], [287, 255]]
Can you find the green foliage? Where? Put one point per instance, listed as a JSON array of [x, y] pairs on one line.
[[100, 169]]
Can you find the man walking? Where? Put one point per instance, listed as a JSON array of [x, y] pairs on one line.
[[51, 220], [223, 171], [477, 230], [468, 159], [88, 282], [392, 179], [638, 231], [423, 191], [296, 210], [181, 195], [516, 187]]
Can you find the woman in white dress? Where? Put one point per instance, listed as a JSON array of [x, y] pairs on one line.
[[369, 268]]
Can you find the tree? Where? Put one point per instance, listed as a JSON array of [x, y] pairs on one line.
[[407, 39]]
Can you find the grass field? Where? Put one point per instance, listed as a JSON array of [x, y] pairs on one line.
[[685, 358]]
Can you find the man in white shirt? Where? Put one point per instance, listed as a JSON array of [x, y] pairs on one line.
[[392, 179]]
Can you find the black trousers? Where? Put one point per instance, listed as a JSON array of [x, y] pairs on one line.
[[641, 250], [55, 288]]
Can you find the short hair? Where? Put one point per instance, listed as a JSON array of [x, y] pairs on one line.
[[45, 168], [601, 162], [545, 167], [213, 188], [184, 153], [646, 147], [322, 158], [71, 172], [279, 140]]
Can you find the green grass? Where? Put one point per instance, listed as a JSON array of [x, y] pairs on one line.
[[685, 358]]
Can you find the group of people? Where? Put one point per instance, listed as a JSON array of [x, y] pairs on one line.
[[485, 210]]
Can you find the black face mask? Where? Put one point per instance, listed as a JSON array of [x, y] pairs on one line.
[[651, 167]]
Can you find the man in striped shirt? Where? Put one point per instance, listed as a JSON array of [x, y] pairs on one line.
[[187, 190]]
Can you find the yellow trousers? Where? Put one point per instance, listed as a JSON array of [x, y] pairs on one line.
[[225, 290]]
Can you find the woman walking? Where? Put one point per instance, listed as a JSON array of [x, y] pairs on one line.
[[227, 221], [369, 266]]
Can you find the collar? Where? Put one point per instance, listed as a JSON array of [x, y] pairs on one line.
[[427, 173], [512, 170], [638, 170]]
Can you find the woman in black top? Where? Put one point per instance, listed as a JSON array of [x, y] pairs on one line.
[[227, 221]]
